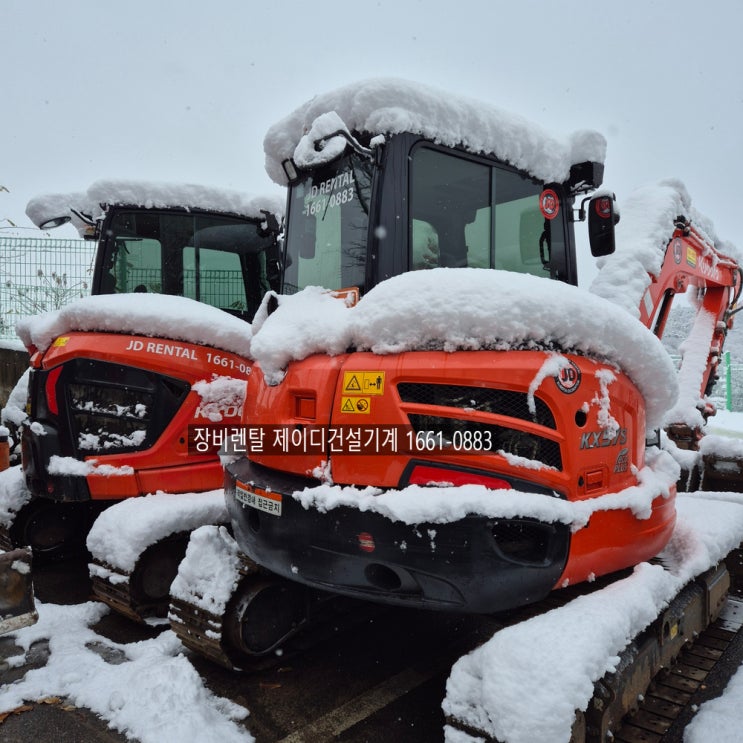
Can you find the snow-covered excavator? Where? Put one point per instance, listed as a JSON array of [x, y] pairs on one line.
[[110, 404], [460, 386], [471, 434], [435, 415]]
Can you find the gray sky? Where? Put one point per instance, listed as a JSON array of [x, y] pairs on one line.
[[185, 91]]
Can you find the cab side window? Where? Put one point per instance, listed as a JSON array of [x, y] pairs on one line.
[[468, 213]]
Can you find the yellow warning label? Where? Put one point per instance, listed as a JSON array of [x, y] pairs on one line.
[[61, 341], [355, 405], [363, 382]]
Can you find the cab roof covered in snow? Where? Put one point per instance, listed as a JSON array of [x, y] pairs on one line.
[[383, 106], [151, 195]]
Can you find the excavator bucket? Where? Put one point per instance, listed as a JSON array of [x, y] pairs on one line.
[[17, 607]]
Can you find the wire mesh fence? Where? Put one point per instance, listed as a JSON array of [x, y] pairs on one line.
[[38, 275]]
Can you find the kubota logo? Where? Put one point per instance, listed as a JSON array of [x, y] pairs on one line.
[[216, 413]]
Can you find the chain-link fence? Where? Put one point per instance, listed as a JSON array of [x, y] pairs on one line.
[[41, 275]]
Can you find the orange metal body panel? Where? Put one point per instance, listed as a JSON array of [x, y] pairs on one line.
[[363, 389], [167, 464], [613, 540]]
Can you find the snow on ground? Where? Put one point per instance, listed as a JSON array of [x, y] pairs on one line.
[[719, 719], [152, 692], [147, 690]]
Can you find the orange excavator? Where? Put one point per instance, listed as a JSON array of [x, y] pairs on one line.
[[387, 181], [110, 406]]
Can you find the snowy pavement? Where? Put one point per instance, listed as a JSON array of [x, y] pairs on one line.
[[152, 690]]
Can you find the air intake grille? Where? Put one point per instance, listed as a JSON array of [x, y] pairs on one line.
[[509, 440], [116, 408], [482, 399]]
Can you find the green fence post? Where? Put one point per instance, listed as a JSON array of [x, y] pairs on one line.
[[728, 383]]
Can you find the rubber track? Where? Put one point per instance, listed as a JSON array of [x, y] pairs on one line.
[[672, 693]]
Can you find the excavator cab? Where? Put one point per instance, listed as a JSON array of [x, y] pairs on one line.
[[410, 204], [223, 260], [367, 209]]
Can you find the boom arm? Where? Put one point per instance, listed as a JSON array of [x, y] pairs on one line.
[[692, 260]]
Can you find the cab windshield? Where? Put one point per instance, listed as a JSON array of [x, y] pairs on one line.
[[328, 226], [216, 259]]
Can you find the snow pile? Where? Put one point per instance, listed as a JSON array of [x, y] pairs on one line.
[[445, 504], [311, 321], [695, 353], [69, 466], [209, 572], [721, 715], [382, 106], [123, 531], [497, 687], [151, 195], [470, 309], [14, 412], [151, 315], [42, 209], [222, 396], [13, 495], [642, 235], [721, 446], [152, 694]]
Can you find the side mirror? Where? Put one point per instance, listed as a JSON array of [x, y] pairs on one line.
[[601, 221]]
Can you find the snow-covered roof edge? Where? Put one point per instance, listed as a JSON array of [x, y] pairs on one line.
[[466, 309], [152, 195], [391, 106], [151, 315]]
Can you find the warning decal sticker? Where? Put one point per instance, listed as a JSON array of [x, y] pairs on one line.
[[363, 383], [355, 405]]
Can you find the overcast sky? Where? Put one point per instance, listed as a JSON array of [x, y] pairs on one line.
[[185, 91]]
